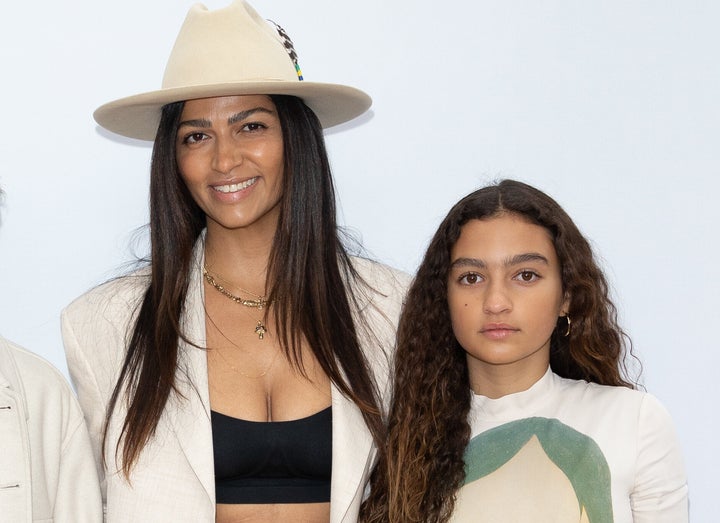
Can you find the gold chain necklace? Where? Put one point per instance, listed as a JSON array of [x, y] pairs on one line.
[[260, 303]]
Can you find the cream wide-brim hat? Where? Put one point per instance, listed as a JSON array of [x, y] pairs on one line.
[[229, 51]]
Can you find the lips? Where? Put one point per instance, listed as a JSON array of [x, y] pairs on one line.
[[498, 331], [235, 187]]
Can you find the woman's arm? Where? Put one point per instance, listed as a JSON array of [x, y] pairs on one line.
[[88, 392]]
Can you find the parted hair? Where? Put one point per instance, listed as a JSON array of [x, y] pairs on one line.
[[421, 465], [308, 264]]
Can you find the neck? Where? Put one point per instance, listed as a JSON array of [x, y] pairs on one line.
[[239, 256], [496, 381]]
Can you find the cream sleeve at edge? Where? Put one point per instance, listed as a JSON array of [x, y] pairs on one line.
[[660, 494]]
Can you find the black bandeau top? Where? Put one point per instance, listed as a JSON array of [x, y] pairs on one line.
[[272, 462]]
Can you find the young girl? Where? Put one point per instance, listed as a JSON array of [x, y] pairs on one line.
[[511, 401]]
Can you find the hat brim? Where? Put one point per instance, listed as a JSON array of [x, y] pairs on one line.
[[138, 116]]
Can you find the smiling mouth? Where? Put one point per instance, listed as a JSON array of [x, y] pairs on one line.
[[234, 187]]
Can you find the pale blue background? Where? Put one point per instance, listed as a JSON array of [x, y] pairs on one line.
[[609, 106]]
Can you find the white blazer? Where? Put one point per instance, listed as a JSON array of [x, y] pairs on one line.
[[47, 471], [174, 477]]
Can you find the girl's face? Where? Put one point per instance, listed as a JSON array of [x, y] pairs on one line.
[[230, 155], [505, 295]]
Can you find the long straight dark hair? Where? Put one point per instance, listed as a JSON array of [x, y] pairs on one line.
[[421, 466], [308, 265]]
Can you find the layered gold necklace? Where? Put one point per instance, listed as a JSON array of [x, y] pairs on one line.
[[260, 302]]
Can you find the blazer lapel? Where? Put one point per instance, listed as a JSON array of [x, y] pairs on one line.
[[352, 443], [353, 452], [190, 419]]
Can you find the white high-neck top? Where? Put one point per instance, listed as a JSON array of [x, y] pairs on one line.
[[567, 450]]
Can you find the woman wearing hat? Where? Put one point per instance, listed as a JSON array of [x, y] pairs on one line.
[[239, 376]]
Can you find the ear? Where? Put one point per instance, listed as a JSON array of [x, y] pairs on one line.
[[565, 306]]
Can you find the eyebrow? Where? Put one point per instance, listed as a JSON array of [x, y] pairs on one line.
[[237, 117], [508, 262]]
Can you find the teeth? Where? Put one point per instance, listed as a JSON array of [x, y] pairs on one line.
[[234, 187]]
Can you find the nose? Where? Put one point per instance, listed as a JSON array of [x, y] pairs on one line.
[[227, 155], [496, 299]]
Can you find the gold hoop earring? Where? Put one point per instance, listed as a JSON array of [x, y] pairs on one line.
[[567, 331]]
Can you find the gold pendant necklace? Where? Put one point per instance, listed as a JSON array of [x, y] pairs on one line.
[[259, 303], [232, 367]]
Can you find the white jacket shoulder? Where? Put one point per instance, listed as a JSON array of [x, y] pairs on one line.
[[47, 429]]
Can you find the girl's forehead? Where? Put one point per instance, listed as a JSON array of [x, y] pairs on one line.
[[505, 233]]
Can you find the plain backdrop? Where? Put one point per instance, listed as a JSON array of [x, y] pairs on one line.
[[611, 107]]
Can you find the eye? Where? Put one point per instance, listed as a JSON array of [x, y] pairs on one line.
[[194, 137], [470, 278], [527, 276], [253, 126]]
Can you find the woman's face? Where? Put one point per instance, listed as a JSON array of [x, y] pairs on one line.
[[230, 155], [505, 295]]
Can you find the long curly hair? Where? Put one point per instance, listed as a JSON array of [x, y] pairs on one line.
[[421, 466]]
